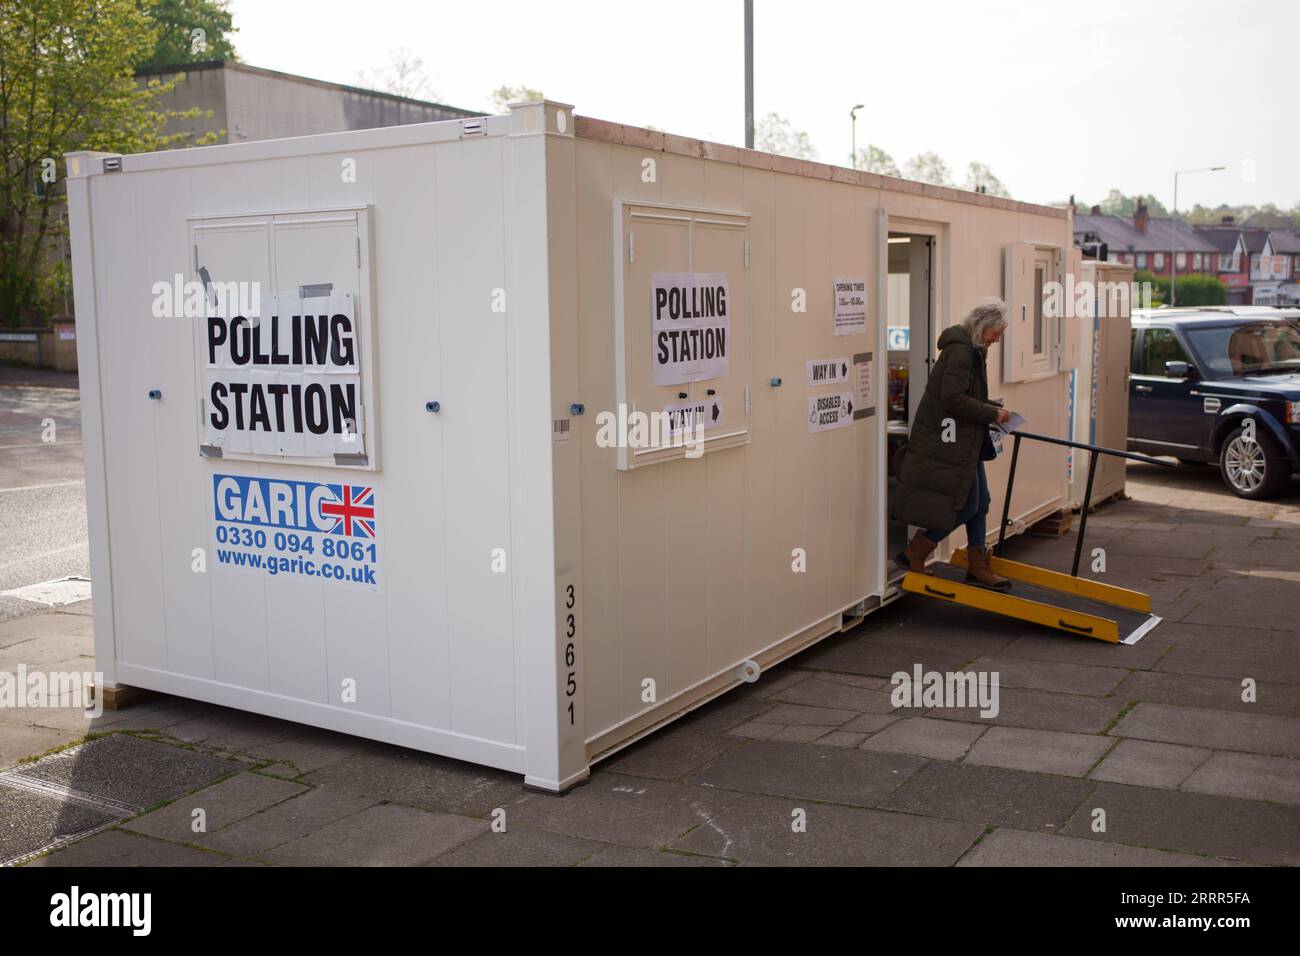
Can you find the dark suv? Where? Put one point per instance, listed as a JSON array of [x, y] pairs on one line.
[[1219, 385]]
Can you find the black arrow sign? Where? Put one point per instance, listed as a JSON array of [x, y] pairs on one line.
[[716, 411]]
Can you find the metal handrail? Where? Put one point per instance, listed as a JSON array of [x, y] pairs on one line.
[[1094, 451]]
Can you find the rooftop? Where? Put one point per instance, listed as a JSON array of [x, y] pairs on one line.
[[1162, 234], [1285, 241], [295, 78], [590, 128], [1223, 238]]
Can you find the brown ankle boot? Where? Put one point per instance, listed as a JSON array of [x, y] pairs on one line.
[[980, 571], [912, 558]]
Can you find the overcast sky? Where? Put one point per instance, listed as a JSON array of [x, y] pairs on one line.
[[1057, 98]]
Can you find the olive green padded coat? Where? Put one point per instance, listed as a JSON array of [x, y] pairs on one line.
[[935, 477]]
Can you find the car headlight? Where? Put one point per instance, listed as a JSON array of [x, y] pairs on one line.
[[1293, 413]]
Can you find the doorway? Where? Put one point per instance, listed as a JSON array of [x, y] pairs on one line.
[[909, 343]]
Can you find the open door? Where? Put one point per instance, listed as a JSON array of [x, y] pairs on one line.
[[909, 349]]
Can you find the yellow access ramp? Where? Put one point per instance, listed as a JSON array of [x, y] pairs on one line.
[[1074, 605]]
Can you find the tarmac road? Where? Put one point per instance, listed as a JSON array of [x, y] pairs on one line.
[[42, 491]]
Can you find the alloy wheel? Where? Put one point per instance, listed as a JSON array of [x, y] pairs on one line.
[[1244, 464]]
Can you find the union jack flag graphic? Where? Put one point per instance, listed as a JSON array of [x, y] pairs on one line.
[[353, 510]]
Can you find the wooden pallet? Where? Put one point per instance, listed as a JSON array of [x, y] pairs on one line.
[[1053, 525], [122, 696]]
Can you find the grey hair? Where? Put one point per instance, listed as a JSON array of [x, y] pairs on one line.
[[988, 315]]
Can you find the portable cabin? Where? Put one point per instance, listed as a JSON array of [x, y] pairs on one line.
[[1099, 386], [513, 438]]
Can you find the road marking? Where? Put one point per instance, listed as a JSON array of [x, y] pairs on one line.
[[53, 484], [46, 444], [44, 554]]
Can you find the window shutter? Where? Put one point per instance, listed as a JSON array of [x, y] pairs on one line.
[[1017, 291], [1071, 325]]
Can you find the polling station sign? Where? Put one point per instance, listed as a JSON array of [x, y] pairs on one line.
[[690, 315], [287, 382], [306, 530]]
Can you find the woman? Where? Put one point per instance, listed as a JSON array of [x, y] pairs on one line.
[[942, 482]]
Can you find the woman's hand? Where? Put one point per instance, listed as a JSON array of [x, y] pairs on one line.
[[1003, 416]]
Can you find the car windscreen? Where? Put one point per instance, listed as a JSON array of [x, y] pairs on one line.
[[1248, 348]]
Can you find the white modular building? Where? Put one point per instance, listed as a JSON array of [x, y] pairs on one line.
[[513, 438], [1099, 388]]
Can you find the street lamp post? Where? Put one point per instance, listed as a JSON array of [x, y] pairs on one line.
[[1173, 231], [749, 74], [853, 123]]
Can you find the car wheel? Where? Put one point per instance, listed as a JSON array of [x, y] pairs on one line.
[[1252, 469]]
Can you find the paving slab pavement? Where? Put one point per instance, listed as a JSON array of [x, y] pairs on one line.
[[991, 796], [1146, 764], [1226, 827], [768, 831], [1217, 729], [810, 765], [1020, 848], [1043, 751]]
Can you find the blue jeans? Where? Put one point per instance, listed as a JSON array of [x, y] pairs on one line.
[[974, 515]]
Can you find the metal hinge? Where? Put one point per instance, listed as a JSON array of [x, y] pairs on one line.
[[112, 164], [631, 247], [746, 253], [746, 399], [358, 252]]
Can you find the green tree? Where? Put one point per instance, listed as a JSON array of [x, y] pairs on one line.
[[504, 95], [178, 42], [1193, 289], [1117, 204], [1159, 287], [979, 178], [775, 134], [873, 159], [928, 168], [67, 82], [1206, 216], [1199, 289], [1268, 216]]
